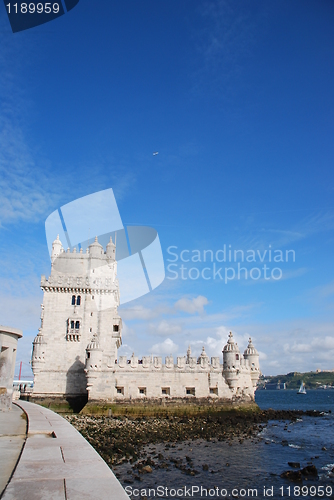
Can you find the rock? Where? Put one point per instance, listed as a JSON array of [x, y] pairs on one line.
[[310, 470], [205, 467], [147, 468], [294, 465], [293, 475]]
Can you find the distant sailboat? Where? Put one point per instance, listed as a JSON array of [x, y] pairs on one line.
[[302, 389]]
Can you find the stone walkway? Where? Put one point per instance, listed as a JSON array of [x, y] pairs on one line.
[[12, 437], [57, 463]]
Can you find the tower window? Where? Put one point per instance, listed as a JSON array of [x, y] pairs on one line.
[[237, 357], [73, 300], [190, 391], [116, 327], [78, 300], [73, 330]]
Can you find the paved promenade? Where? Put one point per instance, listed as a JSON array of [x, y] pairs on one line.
[[12, 437], [57, 463]]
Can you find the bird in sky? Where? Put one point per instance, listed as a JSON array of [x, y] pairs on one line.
[[155, 153]]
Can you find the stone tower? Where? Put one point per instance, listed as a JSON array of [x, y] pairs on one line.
[[252, 356], [80, 309]]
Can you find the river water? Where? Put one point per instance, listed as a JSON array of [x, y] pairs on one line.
[[250, 469]]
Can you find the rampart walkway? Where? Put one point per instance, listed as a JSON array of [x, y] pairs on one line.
[[57, 463]]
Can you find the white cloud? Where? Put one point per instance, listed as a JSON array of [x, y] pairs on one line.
[[297, 348], [165, 347], [192, 306], [165, 328], [138, 312], [326, 343]]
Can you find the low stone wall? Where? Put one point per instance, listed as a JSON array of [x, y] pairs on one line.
[[151, 407]]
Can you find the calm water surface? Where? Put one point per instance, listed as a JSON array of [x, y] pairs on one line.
[[233, 471]]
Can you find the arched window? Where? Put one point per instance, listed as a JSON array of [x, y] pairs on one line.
[[73, 300], [77, 325], [78, 300], [237, 357], [72, 325]]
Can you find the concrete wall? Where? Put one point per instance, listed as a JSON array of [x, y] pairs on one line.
[[8, 347]]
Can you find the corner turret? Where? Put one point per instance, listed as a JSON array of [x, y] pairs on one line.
[[38, 353], [111, 250], [95, 249], [231, 362], [93, 366], [252, 356], [231, 353], [57, 249]]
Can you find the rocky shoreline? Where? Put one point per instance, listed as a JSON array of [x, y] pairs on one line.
[[121, 439]]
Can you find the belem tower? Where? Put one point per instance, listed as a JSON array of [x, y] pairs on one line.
[[75, 351]]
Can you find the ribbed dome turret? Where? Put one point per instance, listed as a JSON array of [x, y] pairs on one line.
[[95, 249], [39, 339], [231, 346], [250, 350], [94, 344]]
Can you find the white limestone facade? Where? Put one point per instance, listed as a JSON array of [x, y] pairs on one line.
[[76, 349], [81, 298]]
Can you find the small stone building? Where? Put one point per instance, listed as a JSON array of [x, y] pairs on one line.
[[75, 351], [8, 347]]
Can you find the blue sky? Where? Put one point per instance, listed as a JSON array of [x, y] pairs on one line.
[[238, 99]]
